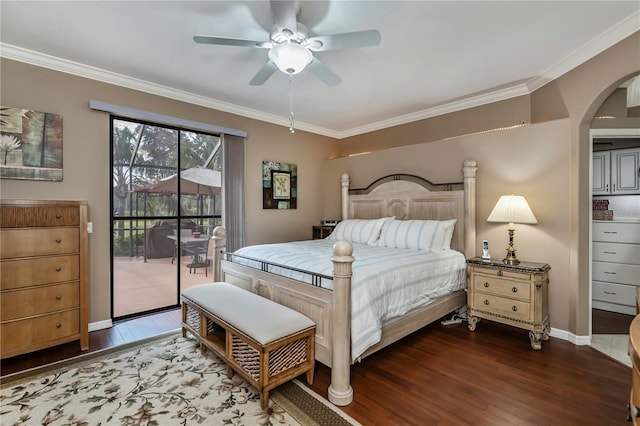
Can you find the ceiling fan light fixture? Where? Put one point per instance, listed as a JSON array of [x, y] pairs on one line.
[[290, 58]]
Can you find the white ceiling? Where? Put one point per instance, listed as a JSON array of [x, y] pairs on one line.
[[435, 56]]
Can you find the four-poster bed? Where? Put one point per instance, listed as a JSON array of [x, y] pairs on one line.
[[391, 201]]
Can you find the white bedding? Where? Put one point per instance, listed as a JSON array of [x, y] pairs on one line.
[[386, 282]]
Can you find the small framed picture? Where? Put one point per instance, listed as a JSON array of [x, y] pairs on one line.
[[281, 185]]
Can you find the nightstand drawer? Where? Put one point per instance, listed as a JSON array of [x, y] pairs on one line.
[[515, 309], [503, 273], [614, 293], [502, 287]]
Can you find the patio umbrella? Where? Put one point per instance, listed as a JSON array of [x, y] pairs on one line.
[[193, 181]]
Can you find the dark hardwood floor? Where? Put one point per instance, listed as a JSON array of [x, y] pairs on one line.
[[445, 376], [605, 322]]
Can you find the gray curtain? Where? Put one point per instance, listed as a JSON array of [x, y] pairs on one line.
[[233, 217]]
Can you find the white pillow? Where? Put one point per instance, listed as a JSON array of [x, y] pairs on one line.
[[444, 235], [364, 231], [408, 234]]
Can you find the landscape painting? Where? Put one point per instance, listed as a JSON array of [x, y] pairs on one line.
[[30, 144]]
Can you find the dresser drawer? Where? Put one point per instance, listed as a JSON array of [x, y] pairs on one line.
[[38, 300], [620, 273], [502, 273], [39, 242], [616, 232], [516, 309], [29, 216], [502, 287], [614, 293], [616, 252], [44, 270], [23, 335]]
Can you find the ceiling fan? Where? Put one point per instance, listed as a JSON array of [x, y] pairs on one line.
[[290, 46]]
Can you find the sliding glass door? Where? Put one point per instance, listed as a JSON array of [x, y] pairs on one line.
[[166, 200]]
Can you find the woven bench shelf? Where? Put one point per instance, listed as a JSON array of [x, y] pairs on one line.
[[265, 366]]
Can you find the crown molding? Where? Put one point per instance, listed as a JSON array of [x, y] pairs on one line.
[[613, 35], [590, 49], [449, 107], [57, 64]]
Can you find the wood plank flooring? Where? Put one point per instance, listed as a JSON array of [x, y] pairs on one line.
[[444, 376]]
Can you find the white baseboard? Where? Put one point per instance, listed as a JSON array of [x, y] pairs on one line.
[[570, 337], [100, 325]]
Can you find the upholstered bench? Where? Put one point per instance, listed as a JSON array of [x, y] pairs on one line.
[[263, 341]]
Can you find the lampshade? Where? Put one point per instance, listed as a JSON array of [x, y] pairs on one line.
[[512, 209], [290, 58]]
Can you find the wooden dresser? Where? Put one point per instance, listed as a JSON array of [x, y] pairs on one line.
[[515, 295], [43, 275]]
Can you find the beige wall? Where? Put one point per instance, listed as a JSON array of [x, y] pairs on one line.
[[510, 161], [86, 160]]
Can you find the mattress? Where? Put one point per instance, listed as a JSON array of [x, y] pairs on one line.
[[386, 282]]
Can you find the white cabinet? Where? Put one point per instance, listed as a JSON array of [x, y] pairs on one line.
[[616, 172], [616, 265], [625, 171], [601, 172]]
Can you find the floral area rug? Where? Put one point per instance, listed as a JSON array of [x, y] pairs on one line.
[[158, 383]]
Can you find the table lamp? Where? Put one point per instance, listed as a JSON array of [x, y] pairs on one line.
[[512, 209]]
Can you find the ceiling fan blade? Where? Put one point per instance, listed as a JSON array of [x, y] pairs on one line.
[[284, 14], [323, 73], [264, 74], [230, 41], [345, 40]]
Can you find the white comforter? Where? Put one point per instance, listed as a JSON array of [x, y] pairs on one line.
[[386, 282]]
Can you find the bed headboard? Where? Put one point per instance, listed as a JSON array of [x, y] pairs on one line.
[[411, 197]]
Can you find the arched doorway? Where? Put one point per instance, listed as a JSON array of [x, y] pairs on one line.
[[614, 134]]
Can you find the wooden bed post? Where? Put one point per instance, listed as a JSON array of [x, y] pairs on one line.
[[219, 242], [344, 180], [469, 170], [340, 390]]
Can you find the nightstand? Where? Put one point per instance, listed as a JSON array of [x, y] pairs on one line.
[[320, 232], [515, 295]]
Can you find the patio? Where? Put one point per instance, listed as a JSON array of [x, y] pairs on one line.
[[141, 286]]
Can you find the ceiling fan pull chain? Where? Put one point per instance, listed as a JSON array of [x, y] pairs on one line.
[[291, 123]]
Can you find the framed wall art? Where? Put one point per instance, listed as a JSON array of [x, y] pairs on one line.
[[279, 185], [30, 144]]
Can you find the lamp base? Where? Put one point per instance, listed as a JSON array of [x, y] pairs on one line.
[[511, 252], [511, 260]]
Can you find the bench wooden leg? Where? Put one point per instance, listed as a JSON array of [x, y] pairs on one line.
[[229, 371], [264, 399], [310, 377]]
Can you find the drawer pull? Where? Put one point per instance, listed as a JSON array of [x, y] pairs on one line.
[[609, 273], [58, 268], [514, 308], [58, 215], [486, 285], [58, 325], [58, 297], [612, 293], [610, 232], [58, 240], [499, 273], [486, 302], [514, 289], [609, 252]]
